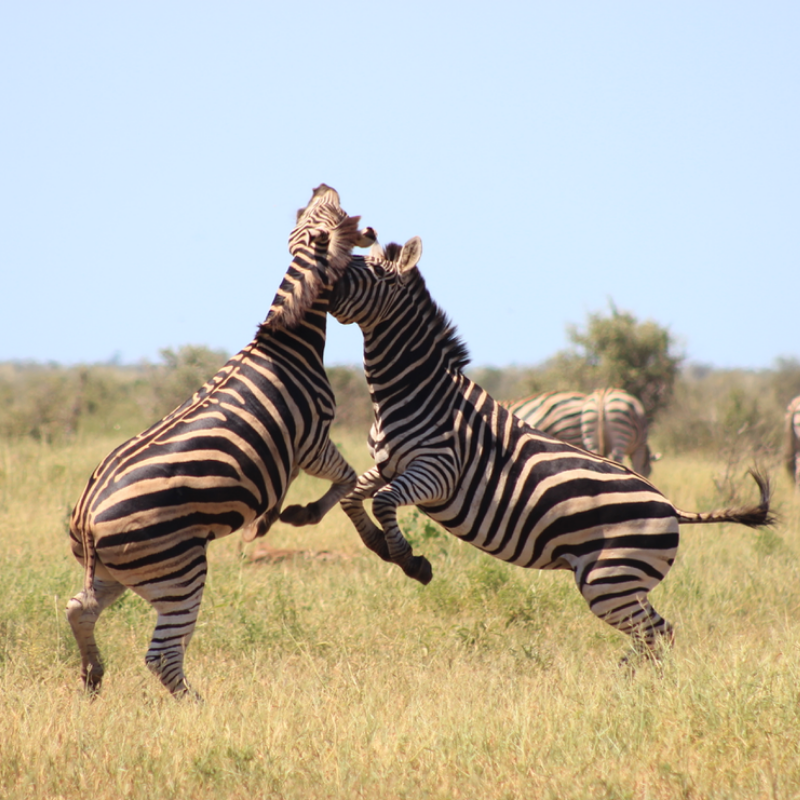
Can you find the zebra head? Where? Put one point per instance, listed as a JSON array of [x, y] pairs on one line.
[[321, 245], [385, 295], [371, 287]]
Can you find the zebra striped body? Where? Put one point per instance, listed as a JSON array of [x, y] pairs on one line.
[[440, 442], [792, 445], [220, 462], [613, 424], [555, 413]]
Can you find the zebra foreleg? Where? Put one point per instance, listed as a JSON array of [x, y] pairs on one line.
[[329, 465], [82, 614], [426, 480], [353, 505]]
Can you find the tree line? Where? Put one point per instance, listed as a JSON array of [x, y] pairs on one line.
[[690, 407]]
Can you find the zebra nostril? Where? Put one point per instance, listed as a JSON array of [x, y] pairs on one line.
[[366, 237]]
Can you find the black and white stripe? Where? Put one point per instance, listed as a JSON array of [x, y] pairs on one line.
[[555, 413], [220, 462], [792, 441], [440, 442], [614, 424], [609, 422]]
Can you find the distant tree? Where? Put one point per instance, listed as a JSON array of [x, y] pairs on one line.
[[617, 350], [786, 380], [183, 372]]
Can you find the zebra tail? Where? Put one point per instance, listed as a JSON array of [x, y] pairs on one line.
[[89, 560], [601, 423], [752, 516]]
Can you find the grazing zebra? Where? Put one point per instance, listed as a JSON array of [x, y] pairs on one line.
[[440, 442], [613, 423], [793, 440], [220, 462], [555, 413]]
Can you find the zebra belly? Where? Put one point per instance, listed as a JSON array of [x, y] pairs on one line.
[[556, 509]]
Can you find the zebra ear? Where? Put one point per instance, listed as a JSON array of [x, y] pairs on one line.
[[410, 255]]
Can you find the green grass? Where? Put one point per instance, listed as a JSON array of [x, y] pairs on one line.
[[341, 678]]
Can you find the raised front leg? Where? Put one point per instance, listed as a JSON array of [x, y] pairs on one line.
[[329, 465], [353, 505], [425, 481]]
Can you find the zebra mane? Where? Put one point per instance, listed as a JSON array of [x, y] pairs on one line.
[[455, 348], [304, 280]]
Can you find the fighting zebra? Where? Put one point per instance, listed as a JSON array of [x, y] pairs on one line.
[[792, 447], [440, 442], [220, 462], [614, 424], [555, 413]]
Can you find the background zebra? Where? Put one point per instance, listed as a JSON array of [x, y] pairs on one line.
[[555, 413], [614, 424], [221, 461], [609, 422], [793, 440], [442, 443]]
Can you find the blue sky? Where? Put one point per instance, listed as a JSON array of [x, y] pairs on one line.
[[550, 155]]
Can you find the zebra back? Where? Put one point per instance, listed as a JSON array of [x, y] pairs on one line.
[[555, 413], [614, 424]]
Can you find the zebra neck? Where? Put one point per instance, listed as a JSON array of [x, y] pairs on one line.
[[304, 342], [406, 364], [302, 284]]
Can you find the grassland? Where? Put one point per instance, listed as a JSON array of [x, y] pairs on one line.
[[339, 678]]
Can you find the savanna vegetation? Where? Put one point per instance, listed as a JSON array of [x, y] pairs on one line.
[[327, 674]]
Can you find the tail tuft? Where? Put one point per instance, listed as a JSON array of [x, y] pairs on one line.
[[751, 516]]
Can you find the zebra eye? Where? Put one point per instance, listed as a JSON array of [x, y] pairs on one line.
[[320, 236]]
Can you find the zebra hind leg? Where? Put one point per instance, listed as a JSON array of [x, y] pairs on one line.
[[176, 598], [620, 599], [83, 612], [165, 656]]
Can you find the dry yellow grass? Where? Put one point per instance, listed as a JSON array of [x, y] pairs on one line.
[[342, 679]]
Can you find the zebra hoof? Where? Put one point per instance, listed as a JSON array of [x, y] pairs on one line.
[[419, 568], [92, 682], [300, 515]]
